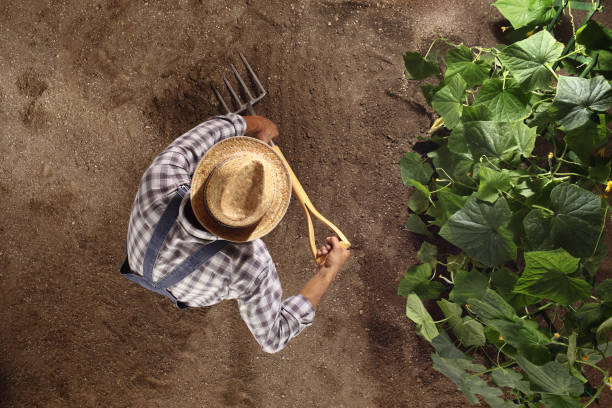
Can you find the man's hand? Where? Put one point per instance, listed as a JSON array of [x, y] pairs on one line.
[[260, 128], [336, 255]]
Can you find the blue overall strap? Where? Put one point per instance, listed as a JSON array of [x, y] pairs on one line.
[[159, 234], [190, 264]]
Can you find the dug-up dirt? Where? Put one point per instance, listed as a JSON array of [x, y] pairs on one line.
[[91, 91]]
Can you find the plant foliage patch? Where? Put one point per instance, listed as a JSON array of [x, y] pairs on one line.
[[518, 183]]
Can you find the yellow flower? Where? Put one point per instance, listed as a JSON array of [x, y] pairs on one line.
[[603, 196], [602, 151], [610, 381], [585, 358], [437, 179], [469, 173], [609, 186], [501, 338], [504, 28], [529, 33], [550, 155], [557, 335]]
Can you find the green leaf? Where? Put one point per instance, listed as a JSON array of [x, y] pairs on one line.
[[428, 253], [522, 13], [509, 378], [500, 141], [537, 229], [417, 280], [467, 285], [456, 141], [473, 113], [413, 169], [416, 312], [551, 378], [603, 331], [430, 90], [560, 401], [585, 139], [604, 290], [454, 165], [503, 281], [492, 183], [481, 231], [460, 60], [505, 100], [418, 202], [418, 67], [470, 385], [528, 60], [468, 331], [594, 36], [576, 223], [546, 275], [592, 263], [491, 307], [600, 174], [445, 348], [416, 225], [448, 101], [577, 99]]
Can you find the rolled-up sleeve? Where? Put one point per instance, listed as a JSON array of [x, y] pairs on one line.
[[274, 322]]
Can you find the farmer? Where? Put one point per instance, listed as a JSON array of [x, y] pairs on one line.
[[196, 225]]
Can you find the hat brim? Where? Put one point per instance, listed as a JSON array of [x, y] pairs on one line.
[[219, 153]]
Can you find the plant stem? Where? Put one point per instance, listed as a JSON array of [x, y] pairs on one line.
[[604, 372], [589, 402], [590, 66], [603, 224], [557, 16]]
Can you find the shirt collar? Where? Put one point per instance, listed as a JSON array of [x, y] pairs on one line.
[[189, 227]]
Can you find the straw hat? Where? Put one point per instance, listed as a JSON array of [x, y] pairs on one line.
[[241, 189]]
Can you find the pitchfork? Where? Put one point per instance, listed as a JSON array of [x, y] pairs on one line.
[[300, 193]]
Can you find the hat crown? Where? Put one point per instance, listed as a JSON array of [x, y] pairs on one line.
[[240, 190]]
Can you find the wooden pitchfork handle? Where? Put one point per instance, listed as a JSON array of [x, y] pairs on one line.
[[308, 207]]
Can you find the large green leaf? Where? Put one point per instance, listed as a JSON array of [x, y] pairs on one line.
[[455, 166], [457, 371], [428, 253], [414, 169], [417, 280], [460, 60], [491, 306], [577, 99], [481, 231], [469, 331], [522, 13], [560, 401], [505, 141], [445, 347], [416, 312], [585, 140], [503, 281], [493, 183], [418, 202], [598, 40], [529, 60], [415, 224], [509, 378], [546, 275], [551, 378], [504, 99], [577, 220], [468, 285], [418, 67], [448, 101], [574, 225]]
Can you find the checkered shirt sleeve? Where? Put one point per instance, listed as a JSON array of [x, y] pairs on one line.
[[244, 271]]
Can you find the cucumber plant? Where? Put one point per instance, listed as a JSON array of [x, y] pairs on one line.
[[518, 183]]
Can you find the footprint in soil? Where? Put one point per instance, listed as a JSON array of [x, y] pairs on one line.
[[32, 86]]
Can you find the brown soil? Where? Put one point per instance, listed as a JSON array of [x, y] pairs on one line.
[[90, 93]]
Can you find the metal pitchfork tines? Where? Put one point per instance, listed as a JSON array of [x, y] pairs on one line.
[[296, 186], [252, 100]]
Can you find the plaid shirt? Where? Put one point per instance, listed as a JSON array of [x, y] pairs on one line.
[[244, 271]]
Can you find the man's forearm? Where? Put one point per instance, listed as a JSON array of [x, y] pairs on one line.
[[318, 285]]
